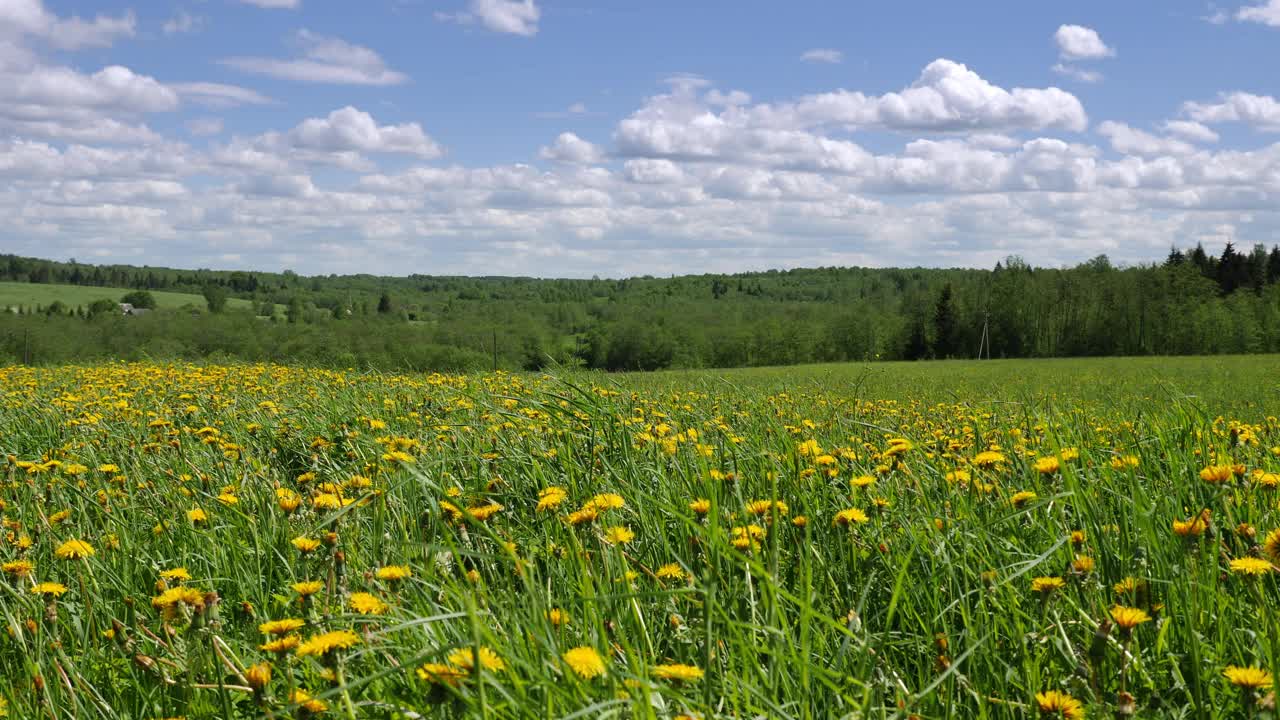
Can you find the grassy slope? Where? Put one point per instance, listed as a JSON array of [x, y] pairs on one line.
[[29, 294]]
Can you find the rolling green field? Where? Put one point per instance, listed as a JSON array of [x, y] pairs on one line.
[[13, 294], [1058, 539]]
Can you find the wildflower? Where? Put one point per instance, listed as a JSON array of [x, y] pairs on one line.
[[197, 516], [49, 589], [1249, 678], [325, 643], [1047, 584], [1020, 499], [585, 662], [1059, 704], [367, 604], [1125, 462], [18, 568], [671, 571], [988, 459], [393, 573], [550, 498], [1128, 618], [465, 659], [282, 645], [179, 573], [259, 675], [701, 506], [74, 550], [585, 515], [1082, 564], [304, 700], [800, 521], [849, 517], [308, 587], [1250, 566], [281, 627], [1193, 527], [862, 481], [557, 617], [1047, 465], [619, 535], [440, 674], [172, 598], [683, 673], [305, 544], [606, 501], [1215, 474]]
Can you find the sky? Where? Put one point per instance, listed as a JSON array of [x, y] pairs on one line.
[[611, 138]]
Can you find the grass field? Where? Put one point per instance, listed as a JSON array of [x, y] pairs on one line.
[[13, 294], [1065, 539]]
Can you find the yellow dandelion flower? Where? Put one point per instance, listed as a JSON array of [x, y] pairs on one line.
[[325, 643], [849, 517], [367, 604], [308, 587], [1047, 584], [1020, 499], [281, 627], [49, 589], [682, 673], [75, 550], [671, 571], [440, 674], [1250, 678], [1060, 705], [619, 535], [1250, 566], [701, 506], [465, 659], [585, 662], [393, 573], [1128, 618], [305, 544]]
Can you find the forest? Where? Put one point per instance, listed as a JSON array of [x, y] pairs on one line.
[[1190, 303]]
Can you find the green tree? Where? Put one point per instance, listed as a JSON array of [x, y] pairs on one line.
[[215, 296], [140, 299]]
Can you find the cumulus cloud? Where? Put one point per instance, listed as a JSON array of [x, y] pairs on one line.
[[1267, 13], [352, 130], [1132, 141], [947, 97], [512, 17], [569, 148], [323, 59], [823, 55], [1190, 130], [1260, 111], [1076, 42], [30, 18]]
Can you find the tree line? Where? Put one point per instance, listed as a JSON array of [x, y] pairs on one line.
[[1191, 303]]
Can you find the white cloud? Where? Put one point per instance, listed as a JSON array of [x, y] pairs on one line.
[[569, 148], [947, 97], [181, 23], [49, 91], [823, 55], [1076, 42], [513, 17], [1260, 111], [30, 18], [352, 130], [219, 95], [1190, 130], [324, 60], [1131, 141], [1076, 73], [275, 4], [1267, 13]]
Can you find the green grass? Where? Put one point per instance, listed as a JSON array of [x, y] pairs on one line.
[[923, 606], [13, 294]]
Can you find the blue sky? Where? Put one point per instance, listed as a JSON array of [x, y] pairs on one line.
[[616, 138]]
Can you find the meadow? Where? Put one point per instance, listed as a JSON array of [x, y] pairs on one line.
[[30, 295], [1007, 539]]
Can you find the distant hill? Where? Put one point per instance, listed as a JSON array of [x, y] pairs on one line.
[[1193, 303]]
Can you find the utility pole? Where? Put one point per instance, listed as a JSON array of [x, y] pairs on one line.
[[986, 338]]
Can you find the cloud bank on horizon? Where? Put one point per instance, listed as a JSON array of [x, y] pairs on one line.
[[533, 138]]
